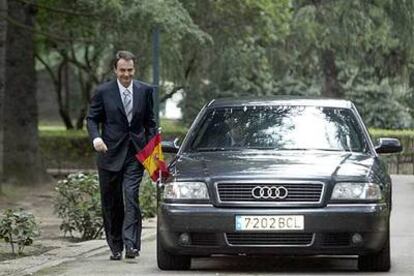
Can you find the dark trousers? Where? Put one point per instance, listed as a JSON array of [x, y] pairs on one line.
[[120, 204]]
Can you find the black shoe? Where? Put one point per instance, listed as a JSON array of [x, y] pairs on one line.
[[117, 256], [131, 253]]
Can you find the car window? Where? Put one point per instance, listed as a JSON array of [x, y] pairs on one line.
[[280, 128]]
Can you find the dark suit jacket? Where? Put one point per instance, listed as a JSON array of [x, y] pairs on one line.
[[107, 115]]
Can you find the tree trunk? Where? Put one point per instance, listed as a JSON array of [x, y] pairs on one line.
[[86, 84], [58, 82], [63, 94], [331, 88], [85, 90], [3, 28], [21, 145], [64, 110]]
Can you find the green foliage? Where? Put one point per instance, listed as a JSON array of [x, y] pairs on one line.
[[18, 227], [402, 163], [239, 62], [148, 198], [70, 149], [82, 31], [78, 204], [391, 133], [85, 34], [57, 132], [379, 105], [66, 149], [247, 47], [405, 136], [296, 87], [170, 129]]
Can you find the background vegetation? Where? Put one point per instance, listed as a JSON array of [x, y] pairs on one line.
[[63, 150], [361, 50], [355, 49], [78, 204], [18, 228]]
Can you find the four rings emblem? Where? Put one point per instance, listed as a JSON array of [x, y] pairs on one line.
[[269, 192]]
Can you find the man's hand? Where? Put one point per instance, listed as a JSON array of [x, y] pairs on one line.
[[99, 145]]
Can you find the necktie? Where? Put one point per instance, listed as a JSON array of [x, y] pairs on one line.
[[128, 104]]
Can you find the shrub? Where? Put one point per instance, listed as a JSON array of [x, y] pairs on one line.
[[78, 204], [147, 198], [380, 105], [405, 136], [402, 162], [72, 149], [18, 227], [66, 149]]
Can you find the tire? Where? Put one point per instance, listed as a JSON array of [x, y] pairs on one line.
[[168, 261], [380, 261]]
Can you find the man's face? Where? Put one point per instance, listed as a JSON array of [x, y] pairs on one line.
[[125, 71]]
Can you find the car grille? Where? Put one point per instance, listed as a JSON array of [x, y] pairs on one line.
[[275, 239], [297, 192], [204, 239], [336, 239]]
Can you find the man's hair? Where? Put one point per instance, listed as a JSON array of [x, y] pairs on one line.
[[123, 55]]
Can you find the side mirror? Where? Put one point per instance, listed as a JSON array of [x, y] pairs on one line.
[[170, 146], [388, 145]]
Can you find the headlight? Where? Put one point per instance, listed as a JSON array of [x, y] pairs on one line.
[[186, 190], [361, 191]]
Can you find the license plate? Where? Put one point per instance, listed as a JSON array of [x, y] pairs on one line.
[[269, 223]]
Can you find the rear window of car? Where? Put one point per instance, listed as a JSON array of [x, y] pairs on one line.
[[279, 128]]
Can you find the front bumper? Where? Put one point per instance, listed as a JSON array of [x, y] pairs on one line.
[[330, 230]]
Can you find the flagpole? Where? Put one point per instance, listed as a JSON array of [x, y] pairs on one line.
[[159, 182]]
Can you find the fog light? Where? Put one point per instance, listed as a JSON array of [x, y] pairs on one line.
[[184, 239], [357, 238]]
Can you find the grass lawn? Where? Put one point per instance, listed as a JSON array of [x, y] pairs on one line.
[[57, 128]]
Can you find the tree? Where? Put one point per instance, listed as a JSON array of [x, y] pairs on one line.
[[85, 34], [219, 48], [3, 28], [238, 62], [22, 161]]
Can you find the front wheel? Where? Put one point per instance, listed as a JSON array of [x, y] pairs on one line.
[[168, 261], [380, 261]]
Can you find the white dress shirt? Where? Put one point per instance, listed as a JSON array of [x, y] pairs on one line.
[[122, 90], [98, 143]]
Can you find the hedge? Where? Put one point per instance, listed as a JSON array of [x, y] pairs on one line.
[[63, 149], [402, 163], [406, 137], [391, 133]]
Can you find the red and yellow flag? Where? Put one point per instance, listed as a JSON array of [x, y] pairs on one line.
[[152, 159]]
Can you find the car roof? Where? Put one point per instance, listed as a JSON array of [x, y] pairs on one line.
[[280, 100]]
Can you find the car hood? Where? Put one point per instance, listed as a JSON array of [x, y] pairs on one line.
[[288, 165]]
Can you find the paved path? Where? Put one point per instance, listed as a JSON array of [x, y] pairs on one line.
[[95, 260]]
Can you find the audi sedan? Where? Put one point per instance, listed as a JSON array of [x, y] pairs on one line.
[[279, 176]]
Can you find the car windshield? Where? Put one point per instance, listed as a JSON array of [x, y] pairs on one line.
[[279, 128]]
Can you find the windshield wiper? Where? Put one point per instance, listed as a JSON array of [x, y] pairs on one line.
[[212, 149], [260, 148], [307, 149]]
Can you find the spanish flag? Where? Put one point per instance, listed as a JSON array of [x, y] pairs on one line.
[[152, 159]]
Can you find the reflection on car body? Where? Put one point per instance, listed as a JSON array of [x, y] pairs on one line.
[[280, 176]]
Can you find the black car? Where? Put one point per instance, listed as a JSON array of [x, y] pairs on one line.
[[279, 176]]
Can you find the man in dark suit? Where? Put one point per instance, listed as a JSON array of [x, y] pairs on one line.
[[120, 122]]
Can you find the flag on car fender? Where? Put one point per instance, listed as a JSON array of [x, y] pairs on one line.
[[152, 158]]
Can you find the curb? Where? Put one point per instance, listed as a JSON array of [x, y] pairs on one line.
[[31, 264], [104, 249], [67, 253]]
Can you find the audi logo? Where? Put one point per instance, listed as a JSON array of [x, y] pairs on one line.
[[269, 192]]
